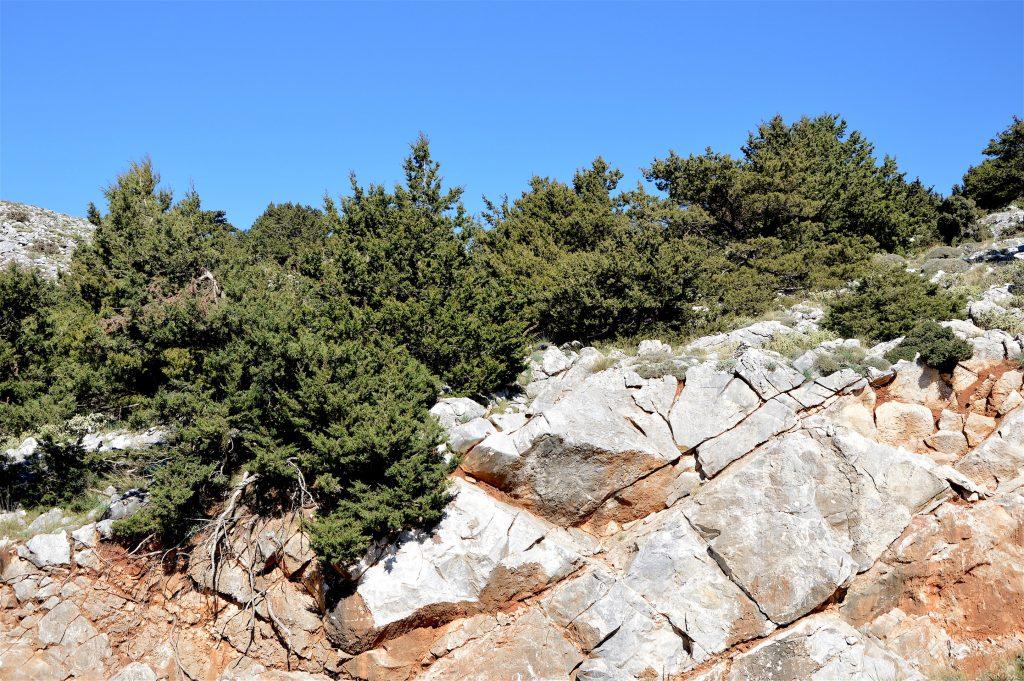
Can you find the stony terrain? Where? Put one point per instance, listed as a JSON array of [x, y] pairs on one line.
[[715, 512], [39, 237]]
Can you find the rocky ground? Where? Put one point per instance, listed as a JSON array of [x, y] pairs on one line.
[[38, 237], [663, 515], [735, 509]]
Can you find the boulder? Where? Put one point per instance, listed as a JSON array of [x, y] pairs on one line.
[[711, 403], [451, 411], [587, 445], [902, 424], [856, 412], [47, 550], [948, 445], [47, 522], [1006, 385], [23, 451], [481, 555], [554, 361], [977, 427], [917, 383], [951, 420], [465, 436], [86, 536], [124, 505], [122, 440]]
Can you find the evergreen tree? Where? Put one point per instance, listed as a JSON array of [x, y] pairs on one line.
[[999, 180], [809, 182], [409, 259]]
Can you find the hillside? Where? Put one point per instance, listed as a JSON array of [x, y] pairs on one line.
[[648, 516], [764, 423], [39, 237]]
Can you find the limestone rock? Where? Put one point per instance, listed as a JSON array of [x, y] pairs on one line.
[[820, 648], [798, 518], [902, 424], [136, 671], [656, 395], [39, 238], [531, 647], [44, 550], [1000, 458], [624, 636], [673, 571], [951, 420], [124, 505], [767, 373], [950, 445], [711, 402], [590, 443], [451, 411], [465, 436], [769, 420], [956, 576], [482, 554], [978, 427], [917, 383]]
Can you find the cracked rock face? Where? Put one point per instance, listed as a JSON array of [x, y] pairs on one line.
[[821, 510]]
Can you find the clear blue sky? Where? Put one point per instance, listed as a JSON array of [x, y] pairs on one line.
[[253, 103]]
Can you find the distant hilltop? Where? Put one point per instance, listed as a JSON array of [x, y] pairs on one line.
[[35, 236]]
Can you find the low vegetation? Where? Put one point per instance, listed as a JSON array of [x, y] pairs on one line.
[[308, 350], [888, 302], [936, 345]]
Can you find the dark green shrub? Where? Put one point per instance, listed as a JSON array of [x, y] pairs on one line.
[[938, 346], [56, 474], [887, 303], [958, 220]]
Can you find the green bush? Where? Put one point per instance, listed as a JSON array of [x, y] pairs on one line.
[[938, 346], [56, 474], [887, 303], [958, 220]]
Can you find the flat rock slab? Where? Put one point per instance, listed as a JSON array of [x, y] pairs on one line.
[[820, 648], [623, 634], [531, 647], [672, 570]]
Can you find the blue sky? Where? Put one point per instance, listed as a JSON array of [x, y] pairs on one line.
[[252, 103]]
